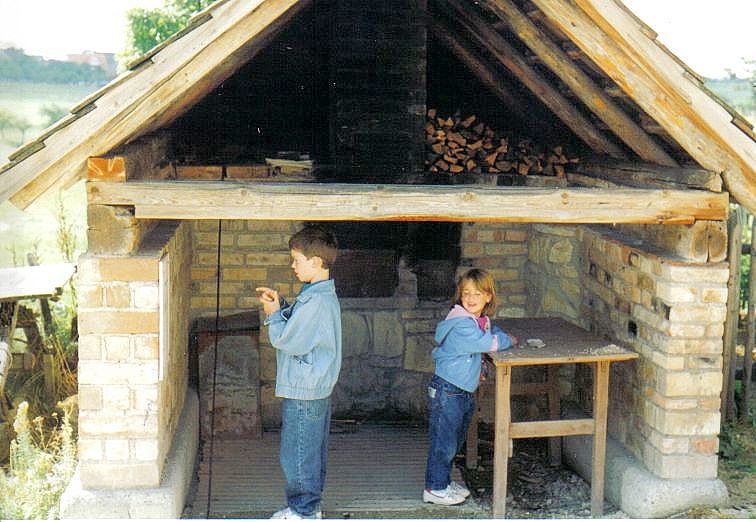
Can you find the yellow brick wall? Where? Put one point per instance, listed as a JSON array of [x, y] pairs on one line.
[[127, 413], [665, 407]]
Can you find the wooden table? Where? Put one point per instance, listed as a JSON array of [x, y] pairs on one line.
[[565, 343]]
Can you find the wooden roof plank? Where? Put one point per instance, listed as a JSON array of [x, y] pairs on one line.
[[175, 77], [580, 83], [352, 202], [656, 83]]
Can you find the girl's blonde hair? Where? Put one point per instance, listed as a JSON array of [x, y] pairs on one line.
[[484, 282]]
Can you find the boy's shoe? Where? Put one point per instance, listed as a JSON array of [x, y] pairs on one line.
[[459, 488], [444, 497], [290, 514]]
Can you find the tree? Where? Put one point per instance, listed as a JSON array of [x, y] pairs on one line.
[[150, 27]]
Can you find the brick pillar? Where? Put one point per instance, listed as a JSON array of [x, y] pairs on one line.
[[118, 372], [130, 399], [666, 407]]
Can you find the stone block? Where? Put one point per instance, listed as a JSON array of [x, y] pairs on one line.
[[388, 334], [417, 356], [117, 348], [116, 449], [90, 449], [696, 384], [90, 397], [90, 347], [356, 338], [119, 475], [118, 322], [117, 295], [95, 269], [104, 373], [145, 449]]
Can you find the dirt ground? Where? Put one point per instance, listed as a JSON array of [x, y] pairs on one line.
[[540, 491]]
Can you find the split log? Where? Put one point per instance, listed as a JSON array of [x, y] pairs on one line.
[[454, 145]]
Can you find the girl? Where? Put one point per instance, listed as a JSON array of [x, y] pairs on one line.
[[463, 336]]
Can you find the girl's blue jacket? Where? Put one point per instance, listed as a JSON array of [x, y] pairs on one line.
[[307, 338], [461, 342]]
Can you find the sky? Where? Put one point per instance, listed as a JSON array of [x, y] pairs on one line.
[[711, 36]]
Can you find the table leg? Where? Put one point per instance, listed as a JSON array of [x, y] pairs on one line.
[[501, 439], [600, 403], [555, 443]]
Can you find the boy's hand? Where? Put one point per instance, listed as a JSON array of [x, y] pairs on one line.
[[269, 299]]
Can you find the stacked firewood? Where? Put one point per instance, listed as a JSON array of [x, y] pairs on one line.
[[457, 145]]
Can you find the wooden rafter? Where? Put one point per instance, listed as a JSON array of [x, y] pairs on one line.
[[656, 81], [518, 66], [580, 83], [352, 202], [483, 71]]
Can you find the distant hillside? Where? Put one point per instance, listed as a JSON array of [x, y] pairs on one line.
[[739, 93], [16, 66]]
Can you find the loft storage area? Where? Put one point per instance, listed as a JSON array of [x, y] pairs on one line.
[[352, 108]]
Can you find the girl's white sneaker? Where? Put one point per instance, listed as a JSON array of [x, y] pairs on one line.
[[444, 497]]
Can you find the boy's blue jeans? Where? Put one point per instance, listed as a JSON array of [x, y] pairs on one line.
[[304, 450], [451, 409]]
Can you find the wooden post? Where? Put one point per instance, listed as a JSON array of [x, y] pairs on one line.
[[748, 355], [600, 404], [734, 232], [501, 440], [555, 411]]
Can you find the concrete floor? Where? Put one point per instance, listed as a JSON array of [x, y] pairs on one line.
[[377, 471]]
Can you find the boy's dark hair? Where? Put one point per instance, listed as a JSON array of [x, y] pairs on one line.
[[316, 241]]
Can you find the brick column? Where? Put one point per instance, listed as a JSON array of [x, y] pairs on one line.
[[665, 408], [129, 405]]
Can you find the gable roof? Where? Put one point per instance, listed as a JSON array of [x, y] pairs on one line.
[[635, 98]]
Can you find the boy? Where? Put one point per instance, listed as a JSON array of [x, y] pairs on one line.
[[307, 337]]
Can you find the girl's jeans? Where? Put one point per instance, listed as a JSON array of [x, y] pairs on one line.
[[304, 450], [451, 409]]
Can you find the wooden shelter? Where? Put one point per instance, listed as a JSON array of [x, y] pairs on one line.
[[184, 220]]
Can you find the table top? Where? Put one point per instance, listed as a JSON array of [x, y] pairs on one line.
[[563, 342], [34, 281]]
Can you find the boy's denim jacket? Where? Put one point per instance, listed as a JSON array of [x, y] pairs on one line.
[[307, 338], [461, 342]]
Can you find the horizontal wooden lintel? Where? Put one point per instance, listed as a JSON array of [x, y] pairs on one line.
[[353, 202]]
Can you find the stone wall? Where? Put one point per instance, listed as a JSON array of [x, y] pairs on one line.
[[132, 382]]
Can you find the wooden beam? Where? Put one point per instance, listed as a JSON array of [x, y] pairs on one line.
[[649, 175], [512, 60], [580, 83], [484, 72], [352, 202], [660, 86], [176, 77]]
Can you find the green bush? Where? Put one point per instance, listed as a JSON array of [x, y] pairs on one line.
[[41, 465]]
